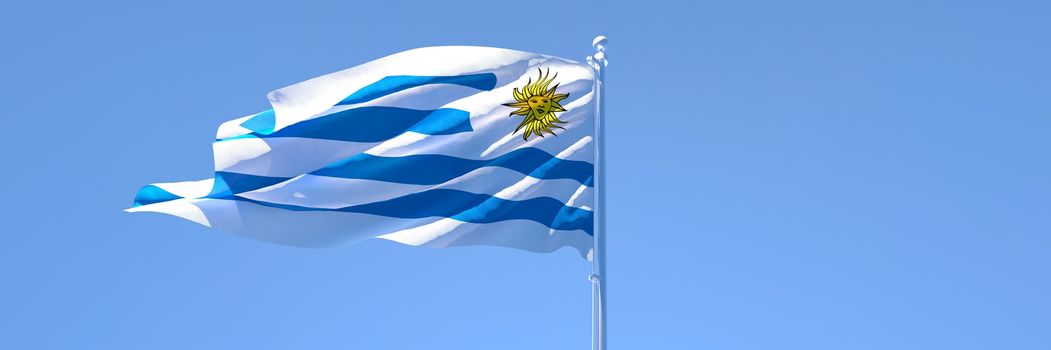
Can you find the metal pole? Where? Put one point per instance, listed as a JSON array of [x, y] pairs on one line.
[[598, 277]]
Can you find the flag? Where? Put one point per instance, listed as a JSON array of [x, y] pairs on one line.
[[437, 146]]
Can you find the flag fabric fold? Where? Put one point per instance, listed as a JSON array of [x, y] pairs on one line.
[[438, 146]]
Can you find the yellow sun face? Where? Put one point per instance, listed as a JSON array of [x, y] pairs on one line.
[[538, 104]]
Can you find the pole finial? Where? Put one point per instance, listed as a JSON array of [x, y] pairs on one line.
[[598, 60], [600, 43]]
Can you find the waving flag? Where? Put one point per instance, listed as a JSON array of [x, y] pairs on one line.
[[438, 146]]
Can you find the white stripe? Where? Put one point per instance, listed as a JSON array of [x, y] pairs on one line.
[[520, 234], [281, 156], [183, 208], [309, 98], [318, 229], [233, 128], [188, 189], [296, 228]]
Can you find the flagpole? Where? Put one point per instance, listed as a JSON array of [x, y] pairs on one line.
[[598, 278]]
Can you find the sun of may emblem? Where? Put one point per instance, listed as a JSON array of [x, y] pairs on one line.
[[538, 104]]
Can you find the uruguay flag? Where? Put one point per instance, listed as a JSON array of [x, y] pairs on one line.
[[438, 146]]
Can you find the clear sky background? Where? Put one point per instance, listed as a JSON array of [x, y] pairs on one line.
[[795, 175]]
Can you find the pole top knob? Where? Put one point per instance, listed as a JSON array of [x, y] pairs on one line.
[[600, 43], [598, 59]]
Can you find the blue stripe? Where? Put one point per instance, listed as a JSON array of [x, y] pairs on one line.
[[431, 169], [150, 194], [261, 123], [264, 122], [464, 206], [227, 183], [428, 169], [366, 124], [392, 84]]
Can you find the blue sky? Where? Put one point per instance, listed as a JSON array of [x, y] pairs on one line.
[[804, 175]]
